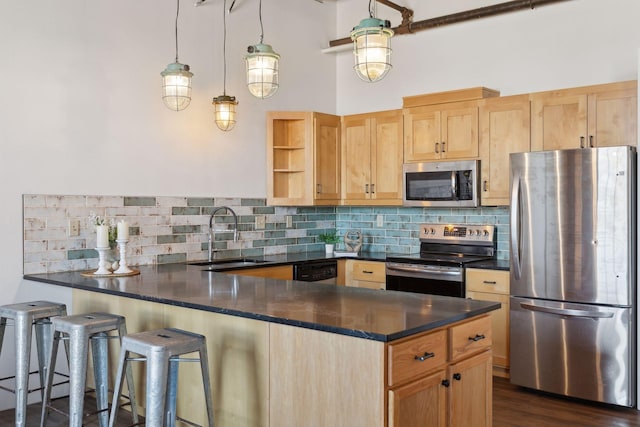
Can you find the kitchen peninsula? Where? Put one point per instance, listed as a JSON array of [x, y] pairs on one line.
[[288, 353]]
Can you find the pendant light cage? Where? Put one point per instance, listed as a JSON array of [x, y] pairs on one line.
[[262, 64], [225, 105], [372, 48], [176, 79], [225, 112]]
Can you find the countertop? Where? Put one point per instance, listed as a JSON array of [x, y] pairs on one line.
[[363, 313]]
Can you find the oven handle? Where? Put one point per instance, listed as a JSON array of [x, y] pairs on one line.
[[417, 272]]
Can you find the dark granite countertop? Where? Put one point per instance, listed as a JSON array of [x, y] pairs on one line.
[[492, 264], [364, 313]]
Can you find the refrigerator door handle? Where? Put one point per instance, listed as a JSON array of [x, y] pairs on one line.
[[516, 227], [568, 312]]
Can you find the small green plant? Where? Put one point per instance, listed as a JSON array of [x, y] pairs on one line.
[[329, 238]]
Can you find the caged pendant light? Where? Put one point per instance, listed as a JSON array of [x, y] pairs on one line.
[[262, 66], [225, 105], [176, 79], [372, 48]]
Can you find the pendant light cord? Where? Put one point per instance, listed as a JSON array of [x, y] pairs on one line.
[[224, 47], [260, 16], [177, 14], [371, 12]]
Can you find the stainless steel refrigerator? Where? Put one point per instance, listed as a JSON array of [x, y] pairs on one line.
[[573, 274]]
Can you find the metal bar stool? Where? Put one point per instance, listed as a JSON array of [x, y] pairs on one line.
[[24, 316], [80, 330], [161, 350]]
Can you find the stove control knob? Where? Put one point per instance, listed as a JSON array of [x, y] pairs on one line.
[[433, 231], [486, 233]]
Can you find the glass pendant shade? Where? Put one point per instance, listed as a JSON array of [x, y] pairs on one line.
[[262, 70], [225, 112], [372, 49], [176, 86]]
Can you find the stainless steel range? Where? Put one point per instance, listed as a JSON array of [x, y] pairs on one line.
[[445, 249]]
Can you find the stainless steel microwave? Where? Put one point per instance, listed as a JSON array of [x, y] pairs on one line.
[[441, 184]]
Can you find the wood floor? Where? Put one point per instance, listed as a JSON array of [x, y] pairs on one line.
[[512, 407]]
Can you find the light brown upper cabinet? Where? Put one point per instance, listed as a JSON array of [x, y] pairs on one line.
[[591, 116], [372, 158], [303, 158], [436, 132], [505, 128]]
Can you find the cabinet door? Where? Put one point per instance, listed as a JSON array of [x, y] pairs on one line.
[[459, 133], [327, 158], [386, 169], [499, 329], [356, 149], [613, 118], [470, 391], [365, 274], [421, 134], [558, 121], [505, 128], [420, 403]]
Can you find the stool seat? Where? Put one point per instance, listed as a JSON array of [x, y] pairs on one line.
[[25, 315], [160, 349], [81, 330]]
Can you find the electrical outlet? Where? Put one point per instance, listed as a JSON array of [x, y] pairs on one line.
[[74, 227], [379, 221], [289, 220], [260, 222]]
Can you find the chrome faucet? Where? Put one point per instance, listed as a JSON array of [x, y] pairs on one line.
[[212, 233]]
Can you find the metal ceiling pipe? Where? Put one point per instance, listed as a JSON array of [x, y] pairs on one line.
[[454, 18]]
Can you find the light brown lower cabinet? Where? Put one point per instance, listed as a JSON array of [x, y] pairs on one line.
[[365, 274]]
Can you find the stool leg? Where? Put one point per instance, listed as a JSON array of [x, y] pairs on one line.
[[122, 331], [43, 348], [117, 387], [100, 357], [23, 325], [157, 372], [51, 363], [79, 347], [204, 364], [172, 394]]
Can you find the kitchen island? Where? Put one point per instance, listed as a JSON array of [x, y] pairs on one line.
[[288, 353]]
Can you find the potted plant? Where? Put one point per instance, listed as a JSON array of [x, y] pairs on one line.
[[329, 240]]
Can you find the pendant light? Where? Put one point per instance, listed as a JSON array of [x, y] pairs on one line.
[[372, 48], [176, 79], [262, 66], [225, 105]]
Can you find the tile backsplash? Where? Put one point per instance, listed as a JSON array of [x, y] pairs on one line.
[[175, 229]]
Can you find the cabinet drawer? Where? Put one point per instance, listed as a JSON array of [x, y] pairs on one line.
[[494, 281], [369, 271], [413, 358], [470, 337]]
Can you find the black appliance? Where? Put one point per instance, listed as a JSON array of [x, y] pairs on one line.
[[323, 271], [445, 249]]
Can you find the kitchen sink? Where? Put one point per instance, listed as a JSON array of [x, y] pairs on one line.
[[218, 264]]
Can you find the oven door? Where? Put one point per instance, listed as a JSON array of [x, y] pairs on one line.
[[426, 279]]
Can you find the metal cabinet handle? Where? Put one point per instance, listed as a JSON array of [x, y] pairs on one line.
[[591, 141], [582, 142], [445, 383], [319, 188], [478, 337], [366, 188], [484, 185], [437, 147], [457, 376], [425, 356], [367, 272], [443, 146], [373, 188], [489, 282]]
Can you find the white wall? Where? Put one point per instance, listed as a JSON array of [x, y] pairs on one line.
[[572, 43], [81, 111]]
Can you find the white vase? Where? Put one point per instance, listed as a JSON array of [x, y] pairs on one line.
[[328, 248]]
